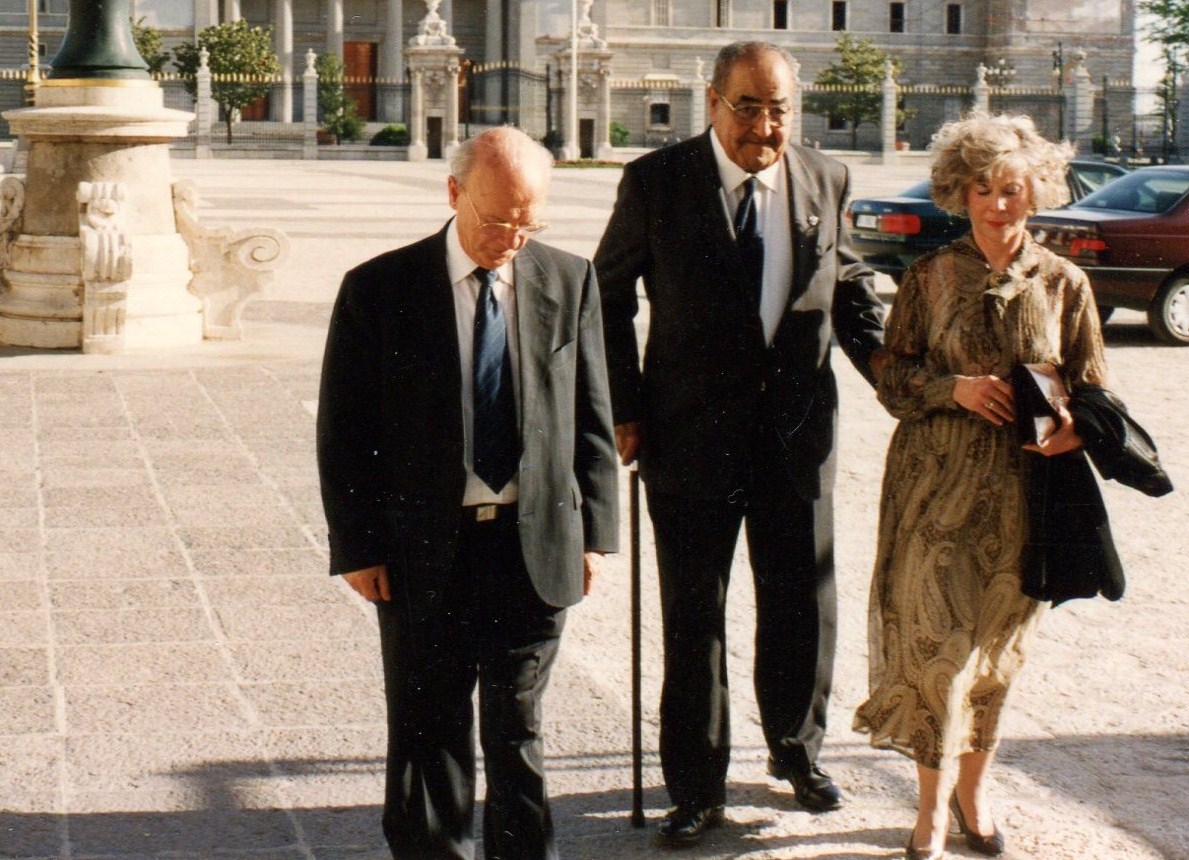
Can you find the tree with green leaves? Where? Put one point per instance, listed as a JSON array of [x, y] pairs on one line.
[[336, 108], [150, 45], [853, 86], [1168, 28], [242, 63]]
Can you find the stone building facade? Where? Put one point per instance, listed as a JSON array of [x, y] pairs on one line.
[[660, 51]]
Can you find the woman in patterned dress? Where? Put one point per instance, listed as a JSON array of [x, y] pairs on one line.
[[949, 627]]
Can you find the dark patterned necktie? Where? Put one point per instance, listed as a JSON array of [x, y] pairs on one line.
[[751, 243], [496, 440]]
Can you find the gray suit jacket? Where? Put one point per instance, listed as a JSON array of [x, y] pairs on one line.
[[709, 381], [390, 436]]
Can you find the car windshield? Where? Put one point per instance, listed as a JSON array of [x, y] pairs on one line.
[[1094, 176], [1147, 191]]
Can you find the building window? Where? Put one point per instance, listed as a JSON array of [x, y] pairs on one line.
[[780, 15], [658, 115], [896, 18], [722, 13], [836, 123], [953, 19], [838, 15], [660, 13]]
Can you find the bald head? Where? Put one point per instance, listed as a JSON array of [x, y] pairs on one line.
[[498, 183]]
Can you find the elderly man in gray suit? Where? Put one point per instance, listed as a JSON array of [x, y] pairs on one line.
[[740, 242], [469, 480]]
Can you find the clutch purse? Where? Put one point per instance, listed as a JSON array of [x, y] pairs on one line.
[[1037, 390]]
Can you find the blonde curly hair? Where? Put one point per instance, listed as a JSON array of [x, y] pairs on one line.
[[980, 146]]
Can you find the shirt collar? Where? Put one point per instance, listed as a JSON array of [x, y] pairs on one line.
[[459, 264], [731, 175]]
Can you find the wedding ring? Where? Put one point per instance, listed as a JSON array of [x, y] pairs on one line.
[[990, 404]]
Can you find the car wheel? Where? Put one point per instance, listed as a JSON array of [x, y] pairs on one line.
[[1169, 315], [1104, 313]]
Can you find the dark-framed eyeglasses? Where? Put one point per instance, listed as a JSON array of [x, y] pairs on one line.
[[499, 229], [777, 114]]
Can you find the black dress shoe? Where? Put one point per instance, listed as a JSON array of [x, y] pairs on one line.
[[812, 786], [991, 846], [685, 825]]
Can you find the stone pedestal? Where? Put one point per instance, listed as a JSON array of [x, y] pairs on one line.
[[434, 62], [92, 258], [593, 98]]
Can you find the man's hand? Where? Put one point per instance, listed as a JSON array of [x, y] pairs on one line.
[[592, 566], [371, 582], [627, 441]]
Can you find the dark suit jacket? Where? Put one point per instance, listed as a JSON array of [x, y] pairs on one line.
[[708, 379], [390, 435]]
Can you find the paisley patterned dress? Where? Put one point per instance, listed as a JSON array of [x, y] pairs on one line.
[[949, 628]]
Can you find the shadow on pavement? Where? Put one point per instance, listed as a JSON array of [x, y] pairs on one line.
[[1139, 781]]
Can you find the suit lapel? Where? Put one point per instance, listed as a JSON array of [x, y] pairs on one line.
[[536, 322], [805, 199]]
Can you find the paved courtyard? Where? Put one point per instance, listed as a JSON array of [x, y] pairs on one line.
[[180, 679]]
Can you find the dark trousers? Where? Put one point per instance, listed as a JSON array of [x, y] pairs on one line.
[[481, 622], [792, 556]]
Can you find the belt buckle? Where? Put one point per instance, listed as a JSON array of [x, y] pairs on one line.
[[485, 513]]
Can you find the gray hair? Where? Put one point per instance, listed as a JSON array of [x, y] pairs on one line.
[[505, 144], [731, 54], [980, 146]]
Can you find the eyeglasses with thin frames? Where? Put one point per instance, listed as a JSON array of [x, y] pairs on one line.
[[498, 229], [777, 114]]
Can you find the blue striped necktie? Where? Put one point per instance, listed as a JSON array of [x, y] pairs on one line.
[[750, 242], [496, 443]]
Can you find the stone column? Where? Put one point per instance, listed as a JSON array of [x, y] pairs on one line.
[[309, 107], [418, 151], [697, 102], [1079, 110], [204, 106], [796, 127], [493, 93], [888, 116], [282, 105], [231, 11], [593, 59], [334, 28], [206, 13], [603, 148], [392, 63]]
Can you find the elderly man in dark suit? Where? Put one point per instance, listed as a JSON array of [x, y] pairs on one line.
[[740, 241], [469, 480]]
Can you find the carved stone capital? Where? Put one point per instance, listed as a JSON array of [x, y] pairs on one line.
[[230, 267]]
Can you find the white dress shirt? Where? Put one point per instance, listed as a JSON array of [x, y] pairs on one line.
[[461, 269], [773, 214]]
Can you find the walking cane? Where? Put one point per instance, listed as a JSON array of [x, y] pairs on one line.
[[637, 740]]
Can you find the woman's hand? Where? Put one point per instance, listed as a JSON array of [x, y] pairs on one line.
[[987, 396], [1064, 440]]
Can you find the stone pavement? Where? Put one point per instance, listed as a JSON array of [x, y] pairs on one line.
[[180, 679]]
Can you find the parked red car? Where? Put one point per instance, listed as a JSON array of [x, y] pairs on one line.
[[1132, 239]]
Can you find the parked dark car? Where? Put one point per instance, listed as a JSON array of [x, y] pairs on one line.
[[1132, 239], [890, 232]]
